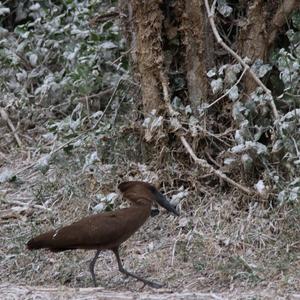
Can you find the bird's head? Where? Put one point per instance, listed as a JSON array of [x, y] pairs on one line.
[[139, 192]]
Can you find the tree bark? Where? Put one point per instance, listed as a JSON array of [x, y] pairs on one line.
[[144, 22], [199, 56], [257, 36]]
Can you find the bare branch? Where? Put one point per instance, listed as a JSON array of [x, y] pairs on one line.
[[203, 163], [211, 13], [6, 118], [237, 82]]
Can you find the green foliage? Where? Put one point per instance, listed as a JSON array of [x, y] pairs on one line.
[[268, 152], [53, 54]]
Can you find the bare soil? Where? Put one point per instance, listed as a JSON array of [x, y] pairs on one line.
[[217, 245]]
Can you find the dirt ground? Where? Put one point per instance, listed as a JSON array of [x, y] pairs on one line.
[[216, 245]]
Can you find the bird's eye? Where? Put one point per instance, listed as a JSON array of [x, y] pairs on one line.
[[154, 212]]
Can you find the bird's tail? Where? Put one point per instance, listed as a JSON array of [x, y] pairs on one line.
[[41, 241]]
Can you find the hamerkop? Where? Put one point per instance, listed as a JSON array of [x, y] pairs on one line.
[[108, 230]]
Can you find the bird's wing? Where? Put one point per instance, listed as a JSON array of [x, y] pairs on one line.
[[101, 231]]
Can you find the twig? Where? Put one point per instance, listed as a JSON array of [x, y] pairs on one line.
[[78, 136], [6, 118], [109, 102], [203, 163], [211, 13], [174, 247], [238, 81], [164, 83], [212, 160], [3, 156], [98, 95], [103, 18], [25, 205], [122, 55], [117, 67]]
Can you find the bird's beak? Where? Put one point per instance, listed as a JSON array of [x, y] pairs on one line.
[[162, 201]]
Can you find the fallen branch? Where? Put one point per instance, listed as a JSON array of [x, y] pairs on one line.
[[211, 14], [204, 164], [6, 118]]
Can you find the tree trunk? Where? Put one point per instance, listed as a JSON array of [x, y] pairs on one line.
[[145, 21], [256, 38], [199, 54]]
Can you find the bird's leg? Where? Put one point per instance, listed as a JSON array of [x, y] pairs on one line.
[[122, 270], [92, 265]]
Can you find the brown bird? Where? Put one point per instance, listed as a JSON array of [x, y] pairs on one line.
[[108, 230]]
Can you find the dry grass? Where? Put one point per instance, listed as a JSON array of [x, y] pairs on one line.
[[219, 243]]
